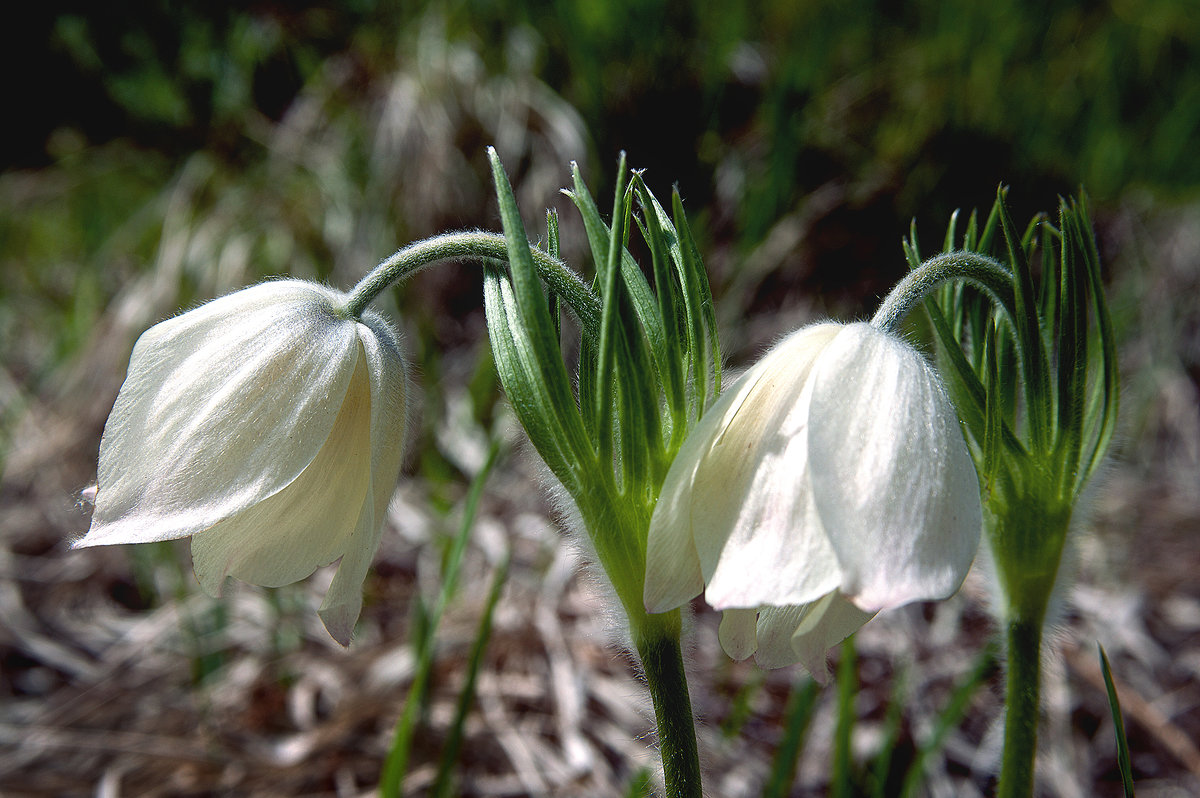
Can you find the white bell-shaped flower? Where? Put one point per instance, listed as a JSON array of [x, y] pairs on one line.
[[268, 426], [829, 483]]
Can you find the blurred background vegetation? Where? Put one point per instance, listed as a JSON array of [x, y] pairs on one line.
[[161, 153], [307, 139]]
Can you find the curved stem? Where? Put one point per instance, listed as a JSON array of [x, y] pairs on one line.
[[987, 274], [466, 246], [656, 638], [1022, 701]]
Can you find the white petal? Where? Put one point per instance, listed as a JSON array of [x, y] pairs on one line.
[[737, 632], [673, 575], [343, 601], [775, 628], [222, 407], [805, 633], [309, 523], [756, 528], [826, 623], [893, 481], [389, 403]]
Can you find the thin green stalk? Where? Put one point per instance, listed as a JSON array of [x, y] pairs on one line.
[[445, 773], [847, 689], [1022, 702], [656, 638], [1114, 704], [474, 246], [395, 766], [799, 711], [987, 274]]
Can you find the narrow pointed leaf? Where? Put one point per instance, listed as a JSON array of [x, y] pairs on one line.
[[1114, 705], [1035, 368], [543, 353]]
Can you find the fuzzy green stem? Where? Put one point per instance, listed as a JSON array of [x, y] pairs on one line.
[[984, 272], [1022, 702], [467, 246], [656, 638]]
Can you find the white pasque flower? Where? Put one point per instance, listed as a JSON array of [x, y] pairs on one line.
[[266, 425], [829, 483]]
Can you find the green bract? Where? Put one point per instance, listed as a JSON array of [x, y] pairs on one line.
[[644, 378], [1032, 366], [1034, 379]]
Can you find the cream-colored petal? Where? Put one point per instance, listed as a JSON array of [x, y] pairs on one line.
[[222, 407], [757, 532], [343, 600], [288, 535], [775, 628], [737, 632], [893, 481], [389, 406], [826, 623], [805, 633], [673, 574]]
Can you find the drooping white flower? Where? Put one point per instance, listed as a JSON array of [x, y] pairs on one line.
[[829, 483], [267, 425]]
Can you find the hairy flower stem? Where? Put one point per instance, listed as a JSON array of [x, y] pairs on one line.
[[1022, 702], [979, 270], [656, 638], [468, 246]]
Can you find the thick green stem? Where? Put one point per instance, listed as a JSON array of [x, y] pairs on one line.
[[657, 643], [1022, 703], [468, 246]]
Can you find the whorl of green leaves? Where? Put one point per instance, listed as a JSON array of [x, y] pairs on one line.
[[1035, 381], [644, 377]]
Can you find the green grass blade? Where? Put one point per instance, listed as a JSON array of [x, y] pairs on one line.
[[882, 765], [842, 785], [796, 716], [951, 232], [667, 290], [396, 765], [693, 263], [449, 758], [950, 717], [1072, 353], [1123, 762], [971, 235]]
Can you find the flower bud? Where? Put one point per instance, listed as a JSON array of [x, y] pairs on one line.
[[267, 426]]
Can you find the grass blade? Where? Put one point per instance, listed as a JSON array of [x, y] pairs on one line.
[[441, 786], [847, 689], [797, 714], [1123, 763], [950, 717], [396, 765]]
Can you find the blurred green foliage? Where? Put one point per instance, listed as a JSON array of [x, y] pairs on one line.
[[1106, 94], [915, 107]]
